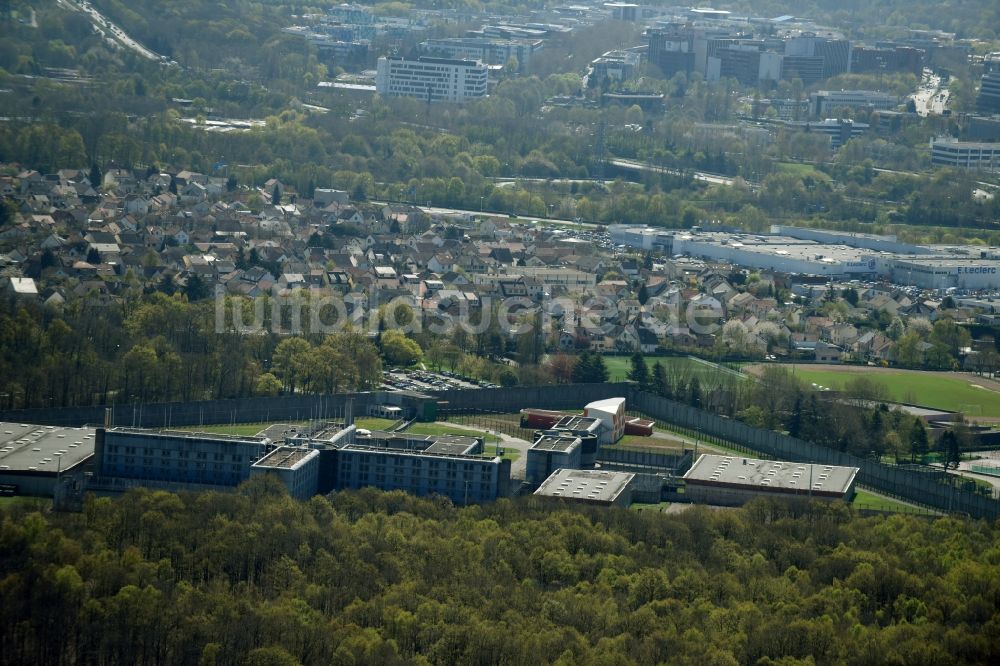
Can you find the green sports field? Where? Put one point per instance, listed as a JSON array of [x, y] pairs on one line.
[[619, 366], [952, 391]]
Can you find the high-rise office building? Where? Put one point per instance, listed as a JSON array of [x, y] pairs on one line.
[[431, 79]]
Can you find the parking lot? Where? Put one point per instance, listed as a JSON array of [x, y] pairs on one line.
[[425, 380]]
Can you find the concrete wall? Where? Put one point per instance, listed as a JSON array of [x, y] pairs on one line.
[[305, 407]]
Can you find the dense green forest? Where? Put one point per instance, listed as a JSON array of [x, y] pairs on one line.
[[254, 577]]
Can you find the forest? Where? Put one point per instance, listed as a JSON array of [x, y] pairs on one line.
[[255, 577]]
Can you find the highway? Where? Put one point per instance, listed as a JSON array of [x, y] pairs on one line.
[[931, 98], [523, 219], [108, 29], [636, 165]]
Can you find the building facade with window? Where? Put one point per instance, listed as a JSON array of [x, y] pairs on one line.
[[965, 154], [431, 79], [465, 479], [176, 457]]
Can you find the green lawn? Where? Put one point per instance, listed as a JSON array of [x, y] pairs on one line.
[[956, 393], [489, 451], [441, 429], [36, 502], [373, 423], [639, 442], [619, 366], [866, 500], [640, 506]]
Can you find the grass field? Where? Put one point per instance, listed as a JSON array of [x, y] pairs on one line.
[[619, 366], [801, 170], [957, 393], [642, 506], [441, 429], [508, 454], [373, 423], [639, 442], [866, 500]]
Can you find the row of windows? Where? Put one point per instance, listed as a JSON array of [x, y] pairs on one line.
[[402, 482], [112, 462], [169, 453], [185, 476]]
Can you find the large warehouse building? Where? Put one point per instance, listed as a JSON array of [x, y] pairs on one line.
[[33, 456], [734, 480], [831, 254]]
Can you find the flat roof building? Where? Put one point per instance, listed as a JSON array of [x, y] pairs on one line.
[[431, 79], [452, 444], [297, 468], [174, 458], [734, 480], [589, 487], [965, 154], [824, 102], [552, 452], [465, 479], [484, 49], [32, 456]]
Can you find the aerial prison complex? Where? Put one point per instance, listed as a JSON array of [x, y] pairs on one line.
[[572, 457], [832, 254]]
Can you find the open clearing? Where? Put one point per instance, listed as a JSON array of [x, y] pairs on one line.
[[619, 366], [976, 397]]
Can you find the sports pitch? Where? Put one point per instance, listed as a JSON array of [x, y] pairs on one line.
[[619, 366], [974, 396]]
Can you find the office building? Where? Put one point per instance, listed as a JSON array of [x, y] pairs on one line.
[[482, 49], [671, 49], [835, 52], [808, 69], [431, 79], [839, 131], [734, 480], [623, 11], [825, 102], [982, 128], [888, 59], [746, 63], [965, 154], [615, 65], [597, 487], [988, 100]]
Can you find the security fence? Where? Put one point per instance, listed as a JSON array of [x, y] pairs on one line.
[[884, 478]]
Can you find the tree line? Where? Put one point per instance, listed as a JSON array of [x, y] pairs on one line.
[[366, 577]]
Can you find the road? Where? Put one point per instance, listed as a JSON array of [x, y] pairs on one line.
[[931, 98], [109, 29], [703, 176], [528, 219]]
